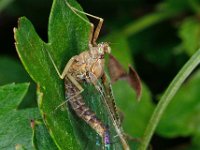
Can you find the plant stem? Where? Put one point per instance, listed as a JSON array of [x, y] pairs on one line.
[[167, 97], [195, 6], [4, 4], [145, 22]]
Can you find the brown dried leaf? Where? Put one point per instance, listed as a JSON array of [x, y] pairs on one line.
[[117, 72], [135, 82]]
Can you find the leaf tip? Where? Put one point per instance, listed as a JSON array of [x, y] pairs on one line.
[[116, 71], [135, 82], [16, 29], [21, 20]]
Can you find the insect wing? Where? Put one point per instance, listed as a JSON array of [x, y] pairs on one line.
[[95, 99]]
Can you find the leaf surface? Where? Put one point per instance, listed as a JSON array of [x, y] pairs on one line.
[[68, 36], [181, 117], [15, 123]]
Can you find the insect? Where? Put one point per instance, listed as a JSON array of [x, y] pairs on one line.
[[84, 112], [88, 67]]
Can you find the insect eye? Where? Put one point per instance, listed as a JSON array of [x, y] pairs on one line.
[[100, 50]]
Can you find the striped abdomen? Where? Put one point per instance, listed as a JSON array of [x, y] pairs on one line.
[[78, 105]]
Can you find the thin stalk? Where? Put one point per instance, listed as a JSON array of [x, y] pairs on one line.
[[146, 22], [4, 4], [167, 97], [195, 6]]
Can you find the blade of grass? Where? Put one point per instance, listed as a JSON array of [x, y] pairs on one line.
[[4, 4], [146, 22], [167, 97]]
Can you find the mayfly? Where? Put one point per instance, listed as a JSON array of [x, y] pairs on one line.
[[88, 67]]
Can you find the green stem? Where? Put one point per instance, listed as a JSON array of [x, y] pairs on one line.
[[195, 6], [4, 4], [167, 97], [145, 22]]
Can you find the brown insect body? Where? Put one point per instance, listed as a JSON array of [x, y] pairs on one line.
[[78, 105], [89, 65]]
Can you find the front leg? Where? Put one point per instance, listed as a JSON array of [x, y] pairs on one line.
[[77, 85], [66, 69]]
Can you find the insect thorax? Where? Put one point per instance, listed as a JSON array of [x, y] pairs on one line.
[[89, 65]]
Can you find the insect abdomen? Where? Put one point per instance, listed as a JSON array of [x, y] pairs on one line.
[[78, 105]]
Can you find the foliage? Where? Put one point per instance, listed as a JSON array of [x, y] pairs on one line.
[[14, 122], [50, 86], [157, 42]]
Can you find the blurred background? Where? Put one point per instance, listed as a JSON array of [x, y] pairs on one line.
[[156, 37]]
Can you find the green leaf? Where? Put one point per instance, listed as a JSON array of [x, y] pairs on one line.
[[14, 123], [136, 114], [67, 33], [12, 71], [41, 70], [41, 137], [68, 36], [175, 6], [181, 117], [13, 92], [189, 32], [170, 92], [195, 142]]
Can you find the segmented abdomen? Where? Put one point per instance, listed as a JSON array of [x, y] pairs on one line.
[[78, 105]]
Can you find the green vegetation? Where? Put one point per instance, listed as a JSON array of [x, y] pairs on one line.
[[160, 40]]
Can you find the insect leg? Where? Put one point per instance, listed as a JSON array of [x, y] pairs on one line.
[[84, 112], [97, 31], [64, 73], [98, 28], [75, 83], [94, 34], [54, 64], [85, 20]]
